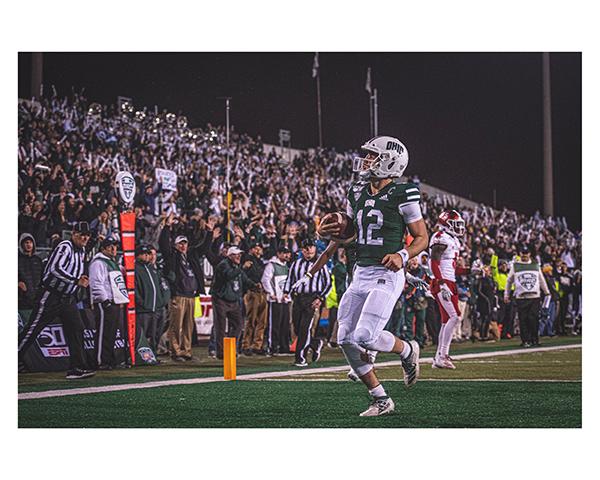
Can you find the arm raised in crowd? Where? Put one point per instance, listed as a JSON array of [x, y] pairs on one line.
[[202, 244], [164, 241]]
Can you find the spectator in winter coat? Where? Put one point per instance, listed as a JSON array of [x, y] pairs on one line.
[[149, 299], [30, 271], [162, 307], [499, 270], [229, 282], [273, 282], [184, 264], [548, 316], [565, 280], [487, 304], [255, 303]]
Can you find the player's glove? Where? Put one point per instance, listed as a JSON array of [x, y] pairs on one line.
[[446, 292], [416, 281]]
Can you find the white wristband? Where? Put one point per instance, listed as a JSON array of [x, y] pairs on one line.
[[405, 256]]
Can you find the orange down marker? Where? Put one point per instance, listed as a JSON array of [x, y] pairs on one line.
[[229, 358]]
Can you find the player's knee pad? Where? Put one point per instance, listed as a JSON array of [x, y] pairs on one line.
[[353, 355], [383, 342], [363, 336]]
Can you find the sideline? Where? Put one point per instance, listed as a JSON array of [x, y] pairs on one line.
[[264, 375], [421, 380]]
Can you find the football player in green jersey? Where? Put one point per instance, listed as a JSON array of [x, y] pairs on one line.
[[383, 210]]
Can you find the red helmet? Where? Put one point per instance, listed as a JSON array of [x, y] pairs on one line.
[[450, 221]]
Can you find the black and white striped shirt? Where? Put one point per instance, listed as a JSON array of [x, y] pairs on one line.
[[63, 269], [320, 284]]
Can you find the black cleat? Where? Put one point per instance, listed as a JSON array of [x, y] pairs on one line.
[[77, 373], [410, 365]]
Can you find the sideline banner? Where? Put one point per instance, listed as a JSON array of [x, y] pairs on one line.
[[50, 351], [203, 315]]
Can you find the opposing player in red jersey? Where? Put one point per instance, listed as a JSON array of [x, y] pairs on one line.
[[445, 248]]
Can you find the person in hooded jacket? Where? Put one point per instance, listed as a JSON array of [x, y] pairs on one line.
[[108, 295], [30, 272]]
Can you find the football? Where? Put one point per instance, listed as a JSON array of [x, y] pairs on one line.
[[345, 223]]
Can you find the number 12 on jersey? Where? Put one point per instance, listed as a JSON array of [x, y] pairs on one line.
[[369, 236]]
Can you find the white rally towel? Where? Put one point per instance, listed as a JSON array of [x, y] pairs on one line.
[[118, 287]]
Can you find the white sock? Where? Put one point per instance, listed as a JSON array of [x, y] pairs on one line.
[[447, 336], [406, 349], [378, 391], [438, 352]]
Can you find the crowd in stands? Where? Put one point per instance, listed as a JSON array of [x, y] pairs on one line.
[[70, 151]]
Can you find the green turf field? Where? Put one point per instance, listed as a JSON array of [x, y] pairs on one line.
[[522, 390]]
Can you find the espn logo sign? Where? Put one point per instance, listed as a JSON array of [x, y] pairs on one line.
[[52, 342]]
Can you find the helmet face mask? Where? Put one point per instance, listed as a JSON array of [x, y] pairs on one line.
[[364, 166], [458, 227], [450, 221], [390, 159]]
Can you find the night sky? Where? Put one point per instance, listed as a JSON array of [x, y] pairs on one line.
[[472, 122]]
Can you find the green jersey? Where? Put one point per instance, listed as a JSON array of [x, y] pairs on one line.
[[380, 219]]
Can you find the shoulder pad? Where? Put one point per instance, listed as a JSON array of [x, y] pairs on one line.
[[408, 192], [439, 238]]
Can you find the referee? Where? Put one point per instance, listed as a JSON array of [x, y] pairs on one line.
[[62, 281], [308, 294]]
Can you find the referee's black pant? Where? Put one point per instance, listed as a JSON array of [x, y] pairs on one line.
[[278, 328], [47, 307], [303, 315], [107, 316], [529, 319]]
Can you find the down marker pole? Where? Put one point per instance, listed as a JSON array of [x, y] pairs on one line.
[[125, 188], [229, 358]]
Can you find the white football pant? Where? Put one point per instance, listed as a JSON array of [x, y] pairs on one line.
[[363, 312]]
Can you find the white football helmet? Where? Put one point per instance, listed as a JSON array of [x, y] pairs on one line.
[[391, 160], [451, 221]]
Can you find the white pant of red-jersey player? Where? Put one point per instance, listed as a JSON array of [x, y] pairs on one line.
[[450, 315]]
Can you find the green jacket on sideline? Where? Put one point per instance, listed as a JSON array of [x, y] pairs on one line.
[[149, 295], [230, 281]]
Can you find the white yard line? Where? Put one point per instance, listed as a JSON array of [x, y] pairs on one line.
[[263, 375], [329, 379]]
